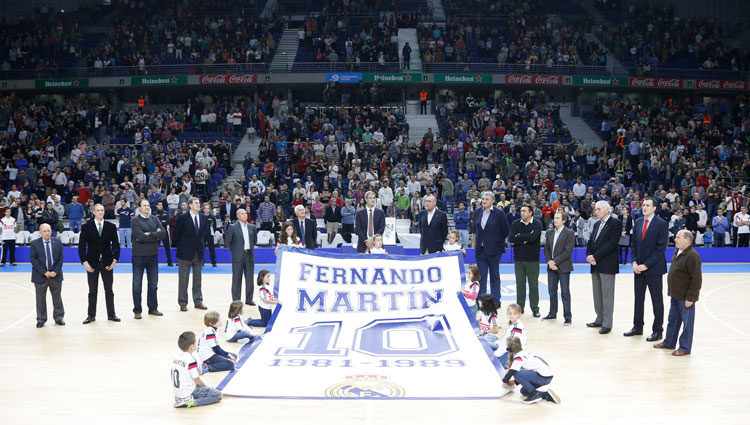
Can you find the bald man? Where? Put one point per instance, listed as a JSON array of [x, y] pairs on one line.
[[46, 257]]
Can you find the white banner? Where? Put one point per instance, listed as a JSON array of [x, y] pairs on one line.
[[367, 326]]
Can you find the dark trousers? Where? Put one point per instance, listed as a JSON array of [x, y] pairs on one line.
[[55, 288], [245, 267], [679, 315], [167, 249], [346, 232], [489, 264], [530, 380], [265, 317], [743, 239], [109, 295], [9, 246], [151, 265], [553, 277], [719, 240], [183, 273], [654, 285], [527, 270], [211, 248]]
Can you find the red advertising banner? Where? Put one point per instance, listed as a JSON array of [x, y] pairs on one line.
[[662, 83], [229, 78], [547, 80], [721, 84]]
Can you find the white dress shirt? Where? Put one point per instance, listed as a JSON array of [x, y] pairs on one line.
[[245, 234]]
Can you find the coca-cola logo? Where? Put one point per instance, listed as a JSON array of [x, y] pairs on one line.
[[519, 79], [547, 79], [669, 82], [709, 84], [643, 82], [229, 79], [735, 85]]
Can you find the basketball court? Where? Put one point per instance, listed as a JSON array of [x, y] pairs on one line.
[[119, 372]]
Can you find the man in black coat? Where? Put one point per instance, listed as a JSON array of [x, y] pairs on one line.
[[368, 222], [99, 251], [190, 232], [602, 255], [433, 227], [306, 228]]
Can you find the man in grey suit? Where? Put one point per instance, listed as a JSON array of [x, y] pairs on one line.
[[241, 239], [46, 257], [558, 251]]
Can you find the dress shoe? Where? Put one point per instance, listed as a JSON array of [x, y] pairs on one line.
[[661, 345], [156, 313], [548, 317], [138, 316], [605, 330], [201, 307], [39, 324], [568, 322], [679, 353], [536, 314], [213, 265], [170, 264], [89, 320], [183, 308], [633, 332], [60, 322], [594, 325], [250, 303], [113, 318], [656, 336]]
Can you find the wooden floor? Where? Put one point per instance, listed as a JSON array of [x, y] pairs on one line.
[[119, 373]]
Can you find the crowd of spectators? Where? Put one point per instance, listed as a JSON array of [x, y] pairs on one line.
[[651, 36], [339, 35]]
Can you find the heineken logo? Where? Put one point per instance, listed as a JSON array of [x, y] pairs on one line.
[[159, 80], [391, 78], [463, 78], [600, 81], [61, 83]]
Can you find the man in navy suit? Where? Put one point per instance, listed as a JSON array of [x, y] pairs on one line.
[[490, 230], [601, 253], [433, 227], [649, 241], [306, 228], [368, 222], [190, 233], [46, 257]]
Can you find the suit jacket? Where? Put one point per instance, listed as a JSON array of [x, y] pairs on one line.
[[432, 236], [310, 238], [492, 238], [188, 242], [604, 248], [360, 226], [563, 254], [232, 212], [332, 214], [236, 242], [38, 260], [652, 251], [94, 248]]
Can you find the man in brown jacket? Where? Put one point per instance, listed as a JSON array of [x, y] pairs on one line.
[[684, 283]]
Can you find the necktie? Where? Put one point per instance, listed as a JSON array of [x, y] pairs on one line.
[[302, 231], [99, 228], [599, 230], [370, 225], [645, 226], [197, 230], [49, 256]]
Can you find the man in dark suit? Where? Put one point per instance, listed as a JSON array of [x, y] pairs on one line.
[[46, 257], [332, 218], [306, 228], [558, 251], [433, 227], [649, 241], [368, 222], [490, 230], [99, 251], [190, 232], [602, 255], [230, 209], [241, 239]]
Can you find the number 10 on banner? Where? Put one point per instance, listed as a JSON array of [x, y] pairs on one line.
[[427, 336]]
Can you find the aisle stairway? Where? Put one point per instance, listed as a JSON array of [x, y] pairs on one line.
[[286, 51], [415, 60]]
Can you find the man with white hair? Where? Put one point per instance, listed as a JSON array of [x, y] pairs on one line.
[[305, 227], [601, 253]]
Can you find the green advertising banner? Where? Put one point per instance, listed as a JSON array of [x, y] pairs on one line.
[[168, 80], [464, 78], [392, 78], [599, 81], [65, 83]]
